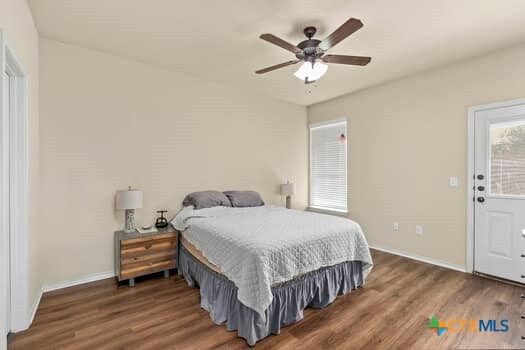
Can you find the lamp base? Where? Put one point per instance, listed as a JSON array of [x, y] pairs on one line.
[[288, 202], [130, 221]]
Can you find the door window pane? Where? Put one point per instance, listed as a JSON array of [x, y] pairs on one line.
[[507, 158]]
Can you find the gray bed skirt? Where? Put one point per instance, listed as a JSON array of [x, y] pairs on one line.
[[315, 289]]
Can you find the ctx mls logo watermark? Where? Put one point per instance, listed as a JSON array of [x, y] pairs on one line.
[[464, 326]]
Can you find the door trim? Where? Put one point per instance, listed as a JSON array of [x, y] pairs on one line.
[[471, 169], [18, 204]]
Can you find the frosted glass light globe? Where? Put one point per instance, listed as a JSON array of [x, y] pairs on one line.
[[313, 73]]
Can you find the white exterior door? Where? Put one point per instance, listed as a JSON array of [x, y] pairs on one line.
[[499, 192]]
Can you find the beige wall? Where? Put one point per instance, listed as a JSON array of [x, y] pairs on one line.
[[406, 138], [108, 122], [17, 25]]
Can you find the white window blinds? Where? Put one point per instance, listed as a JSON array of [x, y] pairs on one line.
[[328, 166]]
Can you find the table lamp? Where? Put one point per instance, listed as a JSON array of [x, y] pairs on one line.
[[288, 190], [129, 200]]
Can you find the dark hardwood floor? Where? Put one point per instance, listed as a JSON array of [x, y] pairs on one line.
[[390, 312]]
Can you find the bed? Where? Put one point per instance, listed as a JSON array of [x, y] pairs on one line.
[[259, 267]]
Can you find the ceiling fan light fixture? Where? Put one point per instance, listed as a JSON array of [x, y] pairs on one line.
[[312, 52], [309, 72]]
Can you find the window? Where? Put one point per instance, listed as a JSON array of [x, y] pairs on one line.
[[507, 158], [328, 166]]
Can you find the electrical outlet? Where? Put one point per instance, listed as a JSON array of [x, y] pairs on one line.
[[419, 230], [396, 226], [453, 181]]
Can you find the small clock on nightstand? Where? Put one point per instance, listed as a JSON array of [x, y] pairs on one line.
[[139, 254]]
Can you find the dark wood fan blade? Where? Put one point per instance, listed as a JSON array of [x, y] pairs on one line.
[[280, 42], [341, 33], [277, 66], [341, 59]]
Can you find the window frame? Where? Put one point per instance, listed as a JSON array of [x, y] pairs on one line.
[[311, 127]]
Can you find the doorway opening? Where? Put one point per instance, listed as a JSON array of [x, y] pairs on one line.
[[14, 270]]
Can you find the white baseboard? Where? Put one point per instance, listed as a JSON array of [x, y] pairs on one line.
[[75, 282], [29, 318], [420, 258], [35, 306]]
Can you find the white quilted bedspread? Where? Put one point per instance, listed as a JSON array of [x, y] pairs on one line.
[[256, 247]]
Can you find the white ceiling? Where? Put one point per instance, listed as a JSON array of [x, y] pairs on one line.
[[218, 40]]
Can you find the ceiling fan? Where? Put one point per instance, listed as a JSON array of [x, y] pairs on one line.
[[312, 52]]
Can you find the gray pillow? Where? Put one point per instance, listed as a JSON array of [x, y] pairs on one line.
[[241, 199], [206, 199]]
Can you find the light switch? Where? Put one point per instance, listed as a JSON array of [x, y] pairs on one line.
[[453, 181]]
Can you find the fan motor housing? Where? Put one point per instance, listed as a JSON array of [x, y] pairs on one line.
[[308, 43], [310, 47], [310, 50]]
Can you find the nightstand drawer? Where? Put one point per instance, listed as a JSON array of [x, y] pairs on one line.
[[148, 259], [134, 241], [148, 247]]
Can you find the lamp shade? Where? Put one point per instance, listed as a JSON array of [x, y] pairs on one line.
[[129, 199], [288, 189]]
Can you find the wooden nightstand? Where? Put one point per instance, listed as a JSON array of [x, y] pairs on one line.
[[141, 254]]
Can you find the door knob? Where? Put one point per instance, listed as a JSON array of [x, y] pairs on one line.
[[481, 199], [480, 177]]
